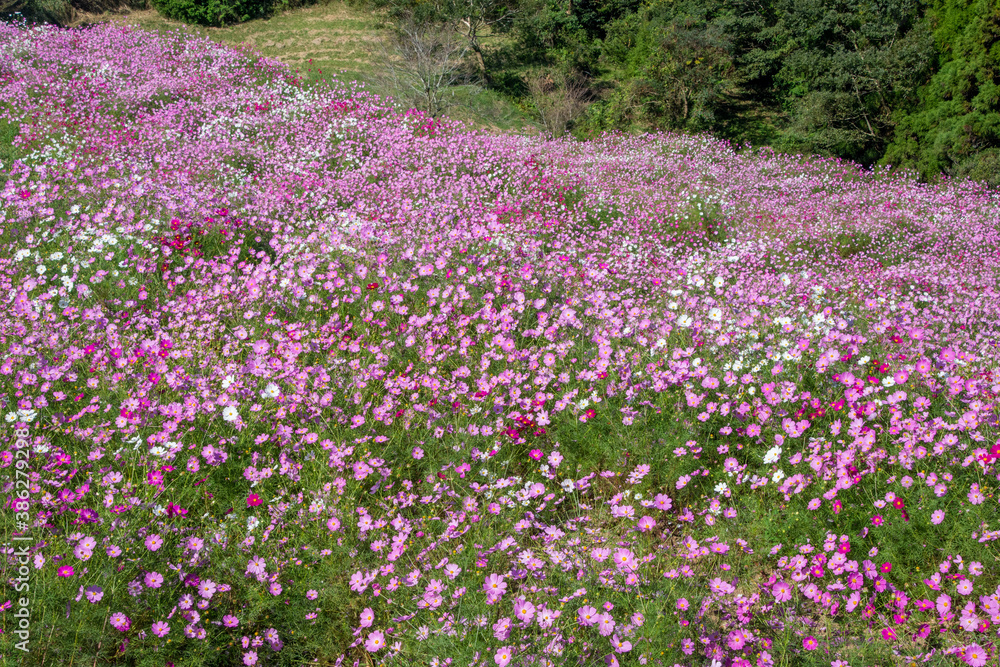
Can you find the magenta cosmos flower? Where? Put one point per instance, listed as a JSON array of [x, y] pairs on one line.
[[809, 643]]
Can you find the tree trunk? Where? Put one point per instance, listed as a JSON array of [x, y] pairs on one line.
[[481, 62]]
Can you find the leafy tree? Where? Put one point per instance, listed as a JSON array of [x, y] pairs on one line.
[[851, 65], [595, 15], [956, 128], [679, 69]]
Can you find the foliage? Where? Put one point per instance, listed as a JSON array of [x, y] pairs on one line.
[[955, 130], [850, 71], [219, 12]]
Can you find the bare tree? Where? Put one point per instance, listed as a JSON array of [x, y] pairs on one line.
[[421, 62], [559, 99], [476, 16]]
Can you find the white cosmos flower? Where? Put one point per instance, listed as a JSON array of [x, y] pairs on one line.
[[230, 414], [772, 455], [719, 281], [715, 315], [778, 476], [684, 321], [270, 391]]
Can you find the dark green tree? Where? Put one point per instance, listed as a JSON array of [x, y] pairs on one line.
[[851, 68], [955, 130]]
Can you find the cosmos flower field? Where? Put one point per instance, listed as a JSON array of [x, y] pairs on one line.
[[293, 377]]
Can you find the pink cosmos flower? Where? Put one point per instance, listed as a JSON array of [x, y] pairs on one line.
[[367, 617], [495, 584], [502, 656], [154, 579], [586, 616], [605, 624], [207, 588], [375, 641], [250, 658], [975, 655], [937, 517], [781, 591], [154, 542], [275, 588], [535, 454], [120, 621], [645, 524], [160, 629], [524, 611], [621, 645], [501, 629], [230, 621]]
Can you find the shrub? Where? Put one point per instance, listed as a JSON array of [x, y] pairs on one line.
[[214, 12]]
